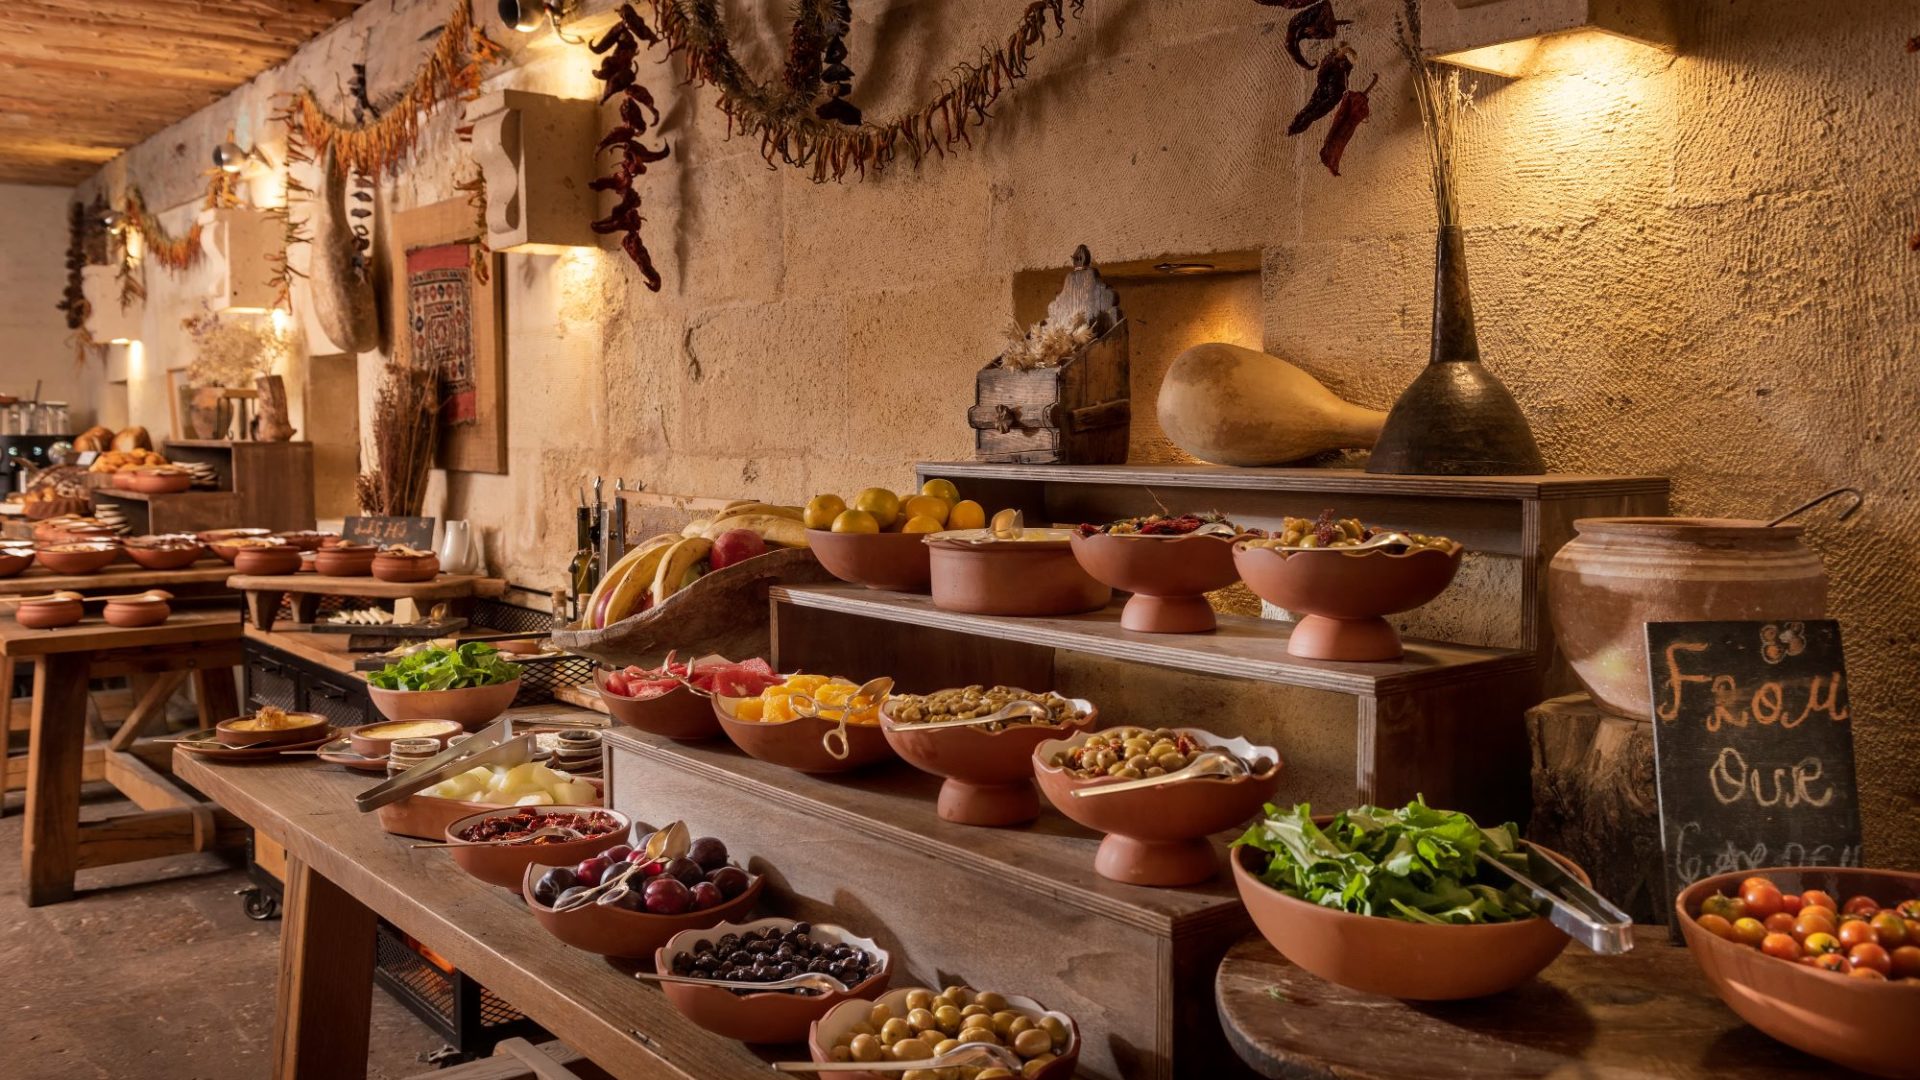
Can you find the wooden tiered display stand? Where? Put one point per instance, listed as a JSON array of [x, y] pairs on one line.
[[265, 591], [265, 485], [1022, 908]]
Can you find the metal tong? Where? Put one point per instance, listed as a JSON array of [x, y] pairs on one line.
[[496, 744], [874, 690], [1573, 907]]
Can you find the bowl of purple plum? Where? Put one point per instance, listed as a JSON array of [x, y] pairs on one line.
[[628, 901]]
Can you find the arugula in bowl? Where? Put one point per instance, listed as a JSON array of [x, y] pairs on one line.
[[1416, 864], [475, 663]]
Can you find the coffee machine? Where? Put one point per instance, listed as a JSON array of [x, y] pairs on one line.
[[23, 455]]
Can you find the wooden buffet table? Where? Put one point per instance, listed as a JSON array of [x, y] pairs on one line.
[[1648, 1013], [203, 644], [265, 591], [342, 871]]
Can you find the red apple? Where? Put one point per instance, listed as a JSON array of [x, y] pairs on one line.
[[736, 546]]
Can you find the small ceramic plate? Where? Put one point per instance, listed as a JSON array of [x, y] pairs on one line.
[[206, 744], [340, 752]]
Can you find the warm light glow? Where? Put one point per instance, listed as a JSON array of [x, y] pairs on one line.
[[282, 322], [136, 358], [136, 245], [1589, 50], [120, 341]]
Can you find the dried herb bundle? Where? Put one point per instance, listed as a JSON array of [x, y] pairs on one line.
[[1046, 343], [1437, 90], [232, 352], [403, 435]]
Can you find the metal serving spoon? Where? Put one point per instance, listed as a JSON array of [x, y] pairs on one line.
[[983, 1053], [1378, 540], [560, 831], [806, 980], [1206, 763], [1012, 710]]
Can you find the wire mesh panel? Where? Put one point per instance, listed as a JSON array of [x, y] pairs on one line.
[[270, 682], [463, 1012], [541, 676], [342, 707]]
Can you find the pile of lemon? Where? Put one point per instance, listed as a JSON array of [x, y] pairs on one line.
[[937, 507]]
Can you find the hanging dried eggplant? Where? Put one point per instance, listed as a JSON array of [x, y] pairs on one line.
[[1328, 91], [621, 47], [1316, 23], [1353, 111]]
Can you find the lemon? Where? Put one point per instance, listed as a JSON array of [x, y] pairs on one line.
[[921, 523], [927, 506], [943, 489], [884, 505], [821, 510], [855, 521], [967, 514]]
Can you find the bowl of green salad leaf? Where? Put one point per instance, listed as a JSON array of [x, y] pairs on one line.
[[467, 683], [1395, 901]]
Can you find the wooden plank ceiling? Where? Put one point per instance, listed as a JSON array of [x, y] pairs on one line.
[[82, 80]]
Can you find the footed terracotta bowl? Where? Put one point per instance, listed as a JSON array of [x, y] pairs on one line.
[[773, 1016], [175, 555], [629, 935], [679, 714], [1169, 577], [1859, 1023], [1342, 598], [1036, 576], [897, 561], [799, 743], [1394, 958], [472, 707], [1161, 835], [842, 1019], [989, 774], [506, 865]]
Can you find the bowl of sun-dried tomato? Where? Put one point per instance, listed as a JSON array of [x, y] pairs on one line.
[[494, 845]]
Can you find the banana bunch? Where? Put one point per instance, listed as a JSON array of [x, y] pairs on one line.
[[776, 524], [665, 564]]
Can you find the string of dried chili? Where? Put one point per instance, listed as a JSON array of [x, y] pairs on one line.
[[1316, 23], [1328, 91], [1353, 111], [621, 47]]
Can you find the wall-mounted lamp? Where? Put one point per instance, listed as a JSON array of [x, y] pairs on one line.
[[527, 16], [114, 222], [1507, 37], [230, 158]]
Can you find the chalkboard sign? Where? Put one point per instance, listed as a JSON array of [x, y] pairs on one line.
[[413, 532], [1753, 747]]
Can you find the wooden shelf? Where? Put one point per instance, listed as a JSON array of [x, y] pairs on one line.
[[228, 444], [189, 495], [118, 578], [1242, 648], [1356, 481]]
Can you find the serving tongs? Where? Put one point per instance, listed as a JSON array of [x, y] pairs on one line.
[[665, 844], [806, 980], [874, 690], [967, 1053], [1214, 762], [496, 744], [1578, 911]]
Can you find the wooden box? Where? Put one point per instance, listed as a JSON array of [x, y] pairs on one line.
[[1075, 412]]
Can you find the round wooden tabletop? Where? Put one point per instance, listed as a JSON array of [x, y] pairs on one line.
[[1648, 1013]]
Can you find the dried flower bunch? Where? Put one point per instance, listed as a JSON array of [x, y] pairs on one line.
[[403, 433], [1047, 343], [232, 352]]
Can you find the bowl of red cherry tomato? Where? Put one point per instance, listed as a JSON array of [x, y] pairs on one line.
[[1825, 959]]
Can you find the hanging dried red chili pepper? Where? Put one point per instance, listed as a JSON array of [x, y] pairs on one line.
[[1335, 69], [1316, 23], [1353, 111], [621, 44]]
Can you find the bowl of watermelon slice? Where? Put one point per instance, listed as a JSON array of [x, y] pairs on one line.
[[674, 700]]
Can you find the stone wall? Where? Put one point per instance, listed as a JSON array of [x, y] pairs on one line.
[[33, 275], [1694, 265]]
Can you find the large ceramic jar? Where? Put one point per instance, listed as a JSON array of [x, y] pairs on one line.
[[1618, 574]]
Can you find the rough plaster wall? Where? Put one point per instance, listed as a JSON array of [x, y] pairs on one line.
[[33, 274], [1693, 266]]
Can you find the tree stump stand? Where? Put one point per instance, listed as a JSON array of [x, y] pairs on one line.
[[1594, 800]]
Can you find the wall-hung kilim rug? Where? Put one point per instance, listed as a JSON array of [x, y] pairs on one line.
[[440, 324]]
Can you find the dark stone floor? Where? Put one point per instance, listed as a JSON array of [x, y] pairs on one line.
[[153, 972]]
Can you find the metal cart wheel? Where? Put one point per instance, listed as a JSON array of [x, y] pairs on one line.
[[259, 904]]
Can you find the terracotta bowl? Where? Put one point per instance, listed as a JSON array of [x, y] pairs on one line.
[[14, 559], [84, 558], [406, 568], [48, 614], [311, 727], [306, 539], [154, 483], [345, 560], [797, 744], [840, 1020], [630, 935], [267, 560], [148, 611], [1861, 1024], [1377, 955], [1169, 577], [773, 1016], [679, 714], [1032, 577], [472, 707], [218, 540], [1160, 836], [506, 865], [989, 774], [897, 561], [425, 817], [375, 740], [1341, 598], [168, 556]]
